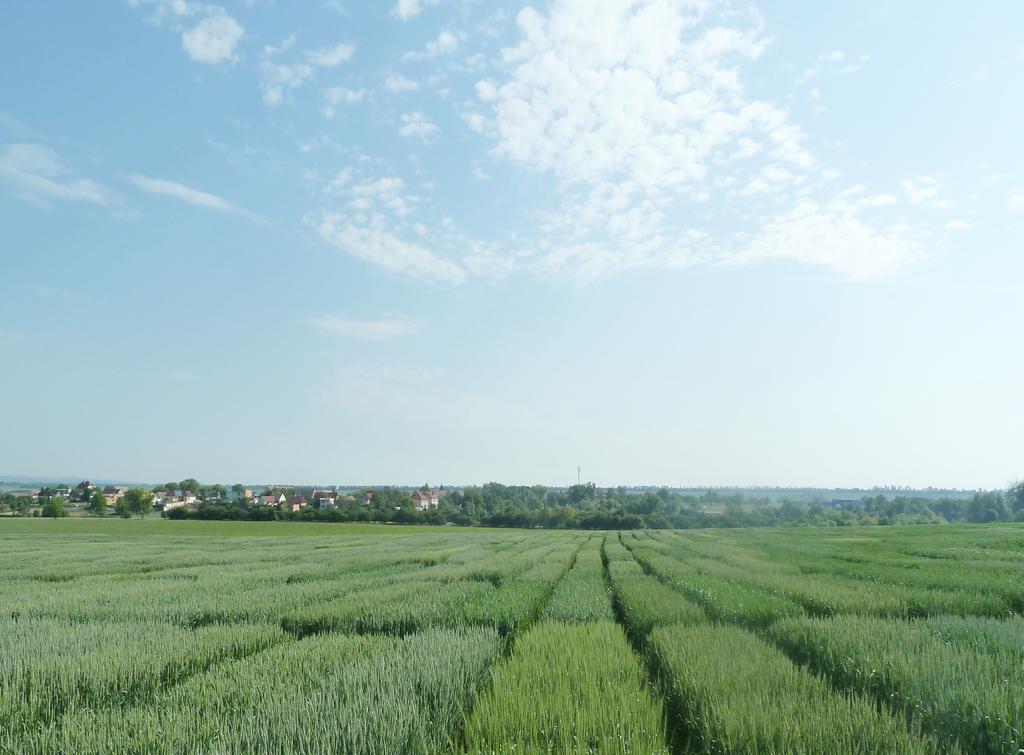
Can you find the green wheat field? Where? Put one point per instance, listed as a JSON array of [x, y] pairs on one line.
[[194, 637]]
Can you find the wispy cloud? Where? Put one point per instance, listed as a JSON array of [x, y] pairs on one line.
[[187, 194], [395, 82], [377, 243], [332, 56], [406, 10], [280, 79], [336, 96], [367, 330], [36, 174], [1016, 200], [416, 126], [446, 43]]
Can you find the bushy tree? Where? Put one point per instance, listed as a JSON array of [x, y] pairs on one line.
[[55, 507], [97, 503], [136, 501]]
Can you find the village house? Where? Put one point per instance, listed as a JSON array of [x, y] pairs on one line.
[[297, 504], [272, 499], [83, 490], [325, 499], [114, 493], [426, 500]]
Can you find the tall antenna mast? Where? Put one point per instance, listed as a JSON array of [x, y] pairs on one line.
[[579, 478]]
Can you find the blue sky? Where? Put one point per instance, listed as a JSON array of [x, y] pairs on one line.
[[681, 242]]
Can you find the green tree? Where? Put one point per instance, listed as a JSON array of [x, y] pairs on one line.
[[136, 501], [97, 502], [55, 507], [190, 485], [22, 506], [1015, 496]]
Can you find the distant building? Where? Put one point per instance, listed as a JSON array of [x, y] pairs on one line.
[[325, 499], [84, 489], [425, 500], [297, 504], [114, 493], [272, 499]]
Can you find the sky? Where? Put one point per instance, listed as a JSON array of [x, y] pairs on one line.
[[680, 242]]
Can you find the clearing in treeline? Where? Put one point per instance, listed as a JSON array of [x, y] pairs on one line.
[[170, 637]]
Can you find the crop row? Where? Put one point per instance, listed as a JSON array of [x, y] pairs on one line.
[[582, 594], [568, 688], [958, 682], [48, 667], [324, 694]]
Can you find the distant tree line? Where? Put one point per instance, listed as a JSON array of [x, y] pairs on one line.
[[587, 507], [578, 507]]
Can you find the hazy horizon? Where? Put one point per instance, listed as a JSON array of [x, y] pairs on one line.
[[677, 242]]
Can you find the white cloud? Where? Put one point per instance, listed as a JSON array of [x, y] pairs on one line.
[[286, 44], [395, 82], [374, 225], [336, 96], [834, 236], [165, 10], [280, 79], [409, 9], [416, 126], [187, 194], [851, 68], [641, 96], [830, 59], [445, 43], [476, 122], [926, 190], [214, 39], [36, 174], [958, 225], [331, 57], [1016, 201], [367, 330], [639, 113], [379, 246], [486, 91]]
